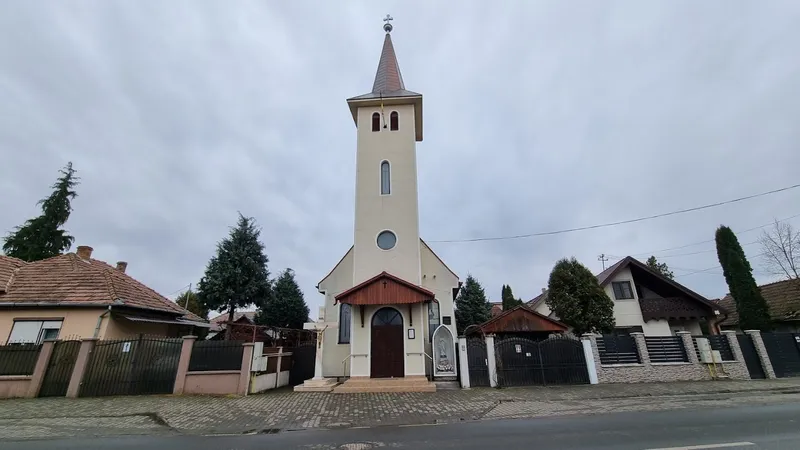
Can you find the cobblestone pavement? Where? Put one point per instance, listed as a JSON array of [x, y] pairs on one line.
[[284, 409]]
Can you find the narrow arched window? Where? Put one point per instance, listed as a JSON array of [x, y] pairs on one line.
[[394, 120], [376, 122], [386, 182]]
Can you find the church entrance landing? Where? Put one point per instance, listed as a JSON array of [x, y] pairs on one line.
[[387, 354]]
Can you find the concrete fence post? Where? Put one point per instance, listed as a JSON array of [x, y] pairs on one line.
[[463, 362], [278, 367], [641, 347], [491, 362], [81, 363], [40, 369], [244, 375], [588, 353], [758, 342], [688, 345], [183, 364]]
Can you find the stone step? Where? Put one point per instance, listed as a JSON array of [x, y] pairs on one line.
[[408, 384], [447, 385]]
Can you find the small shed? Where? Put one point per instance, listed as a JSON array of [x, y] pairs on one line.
[[520, 321]]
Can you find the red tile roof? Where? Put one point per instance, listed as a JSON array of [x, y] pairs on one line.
[[782, 297], [400, 292], [67, 278], [7, 267]]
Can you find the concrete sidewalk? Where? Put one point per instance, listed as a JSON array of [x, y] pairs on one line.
[[284, 409]]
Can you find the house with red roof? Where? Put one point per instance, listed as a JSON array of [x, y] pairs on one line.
[[73, 295]]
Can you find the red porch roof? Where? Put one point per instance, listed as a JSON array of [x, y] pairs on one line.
[[521, 319], [385, 289]]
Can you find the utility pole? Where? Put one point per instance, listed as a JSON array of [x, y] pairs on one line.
[[186, 303], [602, 258]]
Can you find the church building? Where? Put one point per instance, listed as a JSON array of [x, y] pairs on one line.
[[390, 298]]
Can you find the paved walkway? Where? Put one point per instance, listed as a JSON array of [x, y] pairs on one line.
[[285, 410]]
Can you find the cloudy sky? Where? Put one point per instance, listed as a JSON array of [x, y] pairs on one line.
[[540, 115]]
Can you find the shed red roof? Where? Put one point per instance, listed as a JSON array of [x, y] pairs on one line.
[[521, 319]]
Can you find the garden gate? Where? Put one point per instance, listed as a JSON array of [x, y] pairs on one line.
[[557, 360]]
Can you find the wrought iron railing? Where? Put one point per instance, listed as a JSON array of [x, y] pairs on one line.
[[18, 359], [216, 355], [615, 349], [664, 349]]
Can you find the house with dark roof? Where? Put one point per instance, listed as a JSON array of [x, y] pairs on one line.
[[783, 300], [73, 295], [646, 301]]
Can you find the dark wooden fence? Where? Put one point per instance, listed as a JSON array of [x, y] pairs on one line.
[[615, 349], [18, 359], [216, 355], [663, 349]]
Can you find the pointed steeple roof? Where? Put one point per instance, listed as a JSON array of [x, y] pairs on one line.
[[388, 77]]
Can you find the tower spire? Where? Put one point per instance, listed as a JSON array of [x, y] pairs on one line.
[[388, 78]]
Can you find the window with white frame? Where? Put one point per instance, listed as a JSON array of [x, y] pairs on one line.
[[386, 178], [622, 290], [34, 331]]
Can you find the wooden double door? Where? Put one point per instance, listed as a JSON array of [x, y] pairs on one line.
[[387, 350]]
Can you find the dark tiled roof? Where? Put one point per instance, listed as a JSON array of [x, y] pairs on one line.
[[68, 279], [672, 308], [218, 322], [782, 297], [388, 78]]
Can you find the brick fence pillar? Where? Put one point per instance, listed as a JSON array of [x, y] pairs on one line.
[[81, 363], [762, 353], [733, 342], [39, 370], [641, 346], [183, 364]]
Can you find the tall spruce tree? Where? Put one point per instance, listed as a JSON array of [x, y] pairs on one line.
[[43, 236], [658, 267], [237, 276], [286, 307], [508, 298], [472, 307], [753, 310], [574, 295]]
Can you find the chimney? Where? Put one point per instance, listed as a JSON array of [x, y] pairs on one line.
[[121, 266], [84, 252], [544, 290]]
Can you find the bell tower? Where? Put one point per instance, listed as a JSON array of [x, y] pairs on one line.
[[389, 123]]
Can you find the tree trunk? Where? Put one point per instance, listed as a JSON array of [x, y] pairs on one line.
[[229, 325]]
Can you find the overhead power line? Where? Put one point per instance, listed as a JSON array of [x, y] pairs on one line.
[[621, 222]]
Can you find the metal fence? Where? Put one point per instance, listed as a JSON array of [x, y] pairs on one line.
[[216, 355], [664, 349], [18, 359], [719, 343], [615, 349]]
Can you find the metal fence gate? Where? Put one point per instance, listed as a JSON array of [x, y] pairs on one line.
[[556, 360], [477, 362], [137, 366], [751, 359], [303, 358], [784, 353], [59, 369]]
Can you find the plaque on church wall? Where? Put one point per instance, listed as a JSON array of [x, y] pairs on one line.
[[446, 320], [411, 333]]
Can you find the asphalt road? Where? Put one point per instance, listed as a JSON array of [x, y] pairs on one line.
[[758, 427]]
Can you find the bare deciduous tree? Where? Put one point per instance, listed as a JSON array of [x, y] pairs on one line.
[[780, 247]]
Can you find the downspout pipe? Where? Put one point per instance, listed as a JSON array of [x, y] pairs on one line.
[[100, 321]]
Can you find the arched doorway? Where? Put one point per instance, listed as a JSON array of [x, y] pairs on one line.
[[387, 358]]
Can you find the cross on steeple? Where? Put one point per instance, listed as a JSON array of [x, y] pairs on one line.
[[388, 26]]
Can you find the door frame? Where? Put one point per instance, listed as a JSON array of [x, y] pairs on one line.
[[369, 340]]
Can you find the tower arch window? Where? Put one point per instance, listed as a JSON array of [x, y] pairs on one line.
[[386, 178], [394, 121], [376, 122]]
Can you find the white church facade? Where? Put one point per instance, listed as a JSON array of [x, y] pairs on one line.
[[389, 302]]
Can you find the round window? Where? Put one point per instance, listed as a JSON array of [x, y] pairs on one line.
[[386, 240]]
